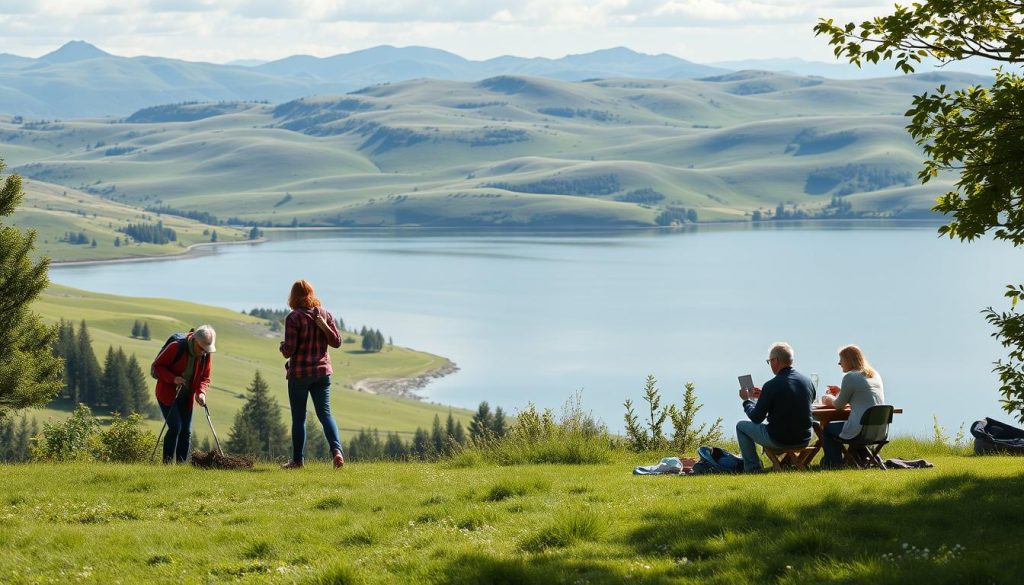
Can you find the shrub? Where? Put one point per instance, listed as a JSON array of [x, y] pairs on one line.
[[72, 440], [648, 435], [125, 441], [575, 437]]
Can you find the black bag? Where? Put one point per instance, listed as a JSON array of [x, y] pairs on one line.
[[717, 460], [992, 436], [181, 339]]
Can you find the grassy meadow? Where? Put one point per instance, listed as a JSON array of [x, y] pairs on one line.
[[245, 344], [53, 211], [454, 522], [509, 151]]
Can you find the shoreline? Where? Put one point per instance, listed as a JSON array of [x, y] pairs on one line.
[[193, 250], [404, 387]]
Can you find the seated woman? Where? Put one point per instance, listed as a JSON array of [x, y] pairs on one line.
[[861, 389]]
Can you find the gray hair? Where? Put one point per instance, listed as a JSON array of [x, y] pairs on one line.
[[781, 351], [206, 334]]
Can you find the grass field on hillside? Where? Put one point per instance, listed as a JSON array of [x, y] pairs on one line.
[[437, 523], [511, 152], [53, 211], [245, 344]]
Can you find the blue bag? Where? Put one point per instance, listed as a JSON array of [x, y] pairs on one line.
[[717, 460]]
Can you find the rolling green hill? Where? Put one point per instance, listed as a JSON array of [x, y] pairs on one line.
[[245, 344], [508, 151]]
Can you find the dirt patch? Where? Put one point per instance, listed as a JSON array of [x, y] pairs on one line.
[[215, 460], [403, 387]]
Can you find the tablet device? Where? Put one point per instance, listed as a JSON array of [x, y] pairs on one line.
[[746, 382]]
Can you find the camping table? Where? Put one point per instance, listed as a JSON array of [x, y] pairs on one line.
[[823, 416]]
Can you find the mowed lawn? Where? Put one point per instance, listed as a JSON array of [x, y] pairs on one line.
[[441, 523]]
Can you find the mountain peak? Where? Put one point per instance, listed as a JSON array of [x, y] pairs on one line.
[[74, 51]]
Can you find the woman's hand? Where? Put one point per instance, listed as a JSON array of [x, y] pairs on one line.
[[179, 381]]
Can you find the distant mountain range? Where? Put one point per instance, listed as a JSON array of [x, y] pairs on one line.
[[79, 80]]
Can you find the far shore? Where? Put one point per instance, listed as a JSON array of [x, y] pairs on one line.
[[193, 250], [404, 387]]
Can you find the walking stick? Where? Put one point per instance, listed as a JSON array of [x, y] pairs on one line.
[[177, 393], [215, 439]]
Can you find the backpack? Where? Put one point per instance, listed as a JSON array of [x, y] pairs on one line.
[[717, 460], [181, 339]]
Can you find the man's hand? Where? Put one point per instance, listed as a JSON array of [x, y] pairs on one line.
[[179, 381], [752, 394], [201, 398]]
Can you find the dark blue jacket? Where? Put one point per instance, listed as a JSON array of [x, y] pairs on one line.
[[786, 401]]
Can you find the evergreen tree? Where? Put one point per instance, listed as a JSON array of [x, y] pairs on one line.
[[145, 330], [88, 367], [483, 421], [395, 449], [378, 340], [438, 437], [138, 390], [258, 428], [7, 439], [117, 241], [110, 389], [498, 424], [213, 236], [137, 329], [367, 343], [30, 375], [460, 433], [64, 347], [422, 448]]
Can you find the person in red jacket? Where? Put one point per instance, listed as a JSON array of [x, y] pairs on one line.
[[308, 330], [183, 374]]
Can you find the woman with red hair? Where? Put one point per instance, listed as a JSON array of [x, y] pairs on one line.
[[308, 330]]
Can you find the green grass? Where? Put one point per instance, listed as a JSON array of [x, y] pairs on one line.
[[53, 211], [244, 345], [438, 523]]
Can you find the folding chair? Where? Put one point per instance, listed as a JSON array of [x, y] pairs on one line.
[[788, 458], [873, 435]]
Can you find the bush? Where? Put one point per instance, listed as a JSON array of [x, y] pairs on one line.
[[125, 441], [72, 440], [80, 439], [575, 437]]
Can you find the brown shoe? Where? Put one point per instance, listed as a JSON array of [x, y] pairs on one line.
[[339, 460], [291, 465]]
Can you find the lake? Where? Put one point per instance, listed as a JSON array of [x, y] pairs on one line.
[[538, 316]]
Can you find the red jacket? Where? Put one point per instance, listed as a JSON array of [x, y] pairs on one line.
[[167, 368]]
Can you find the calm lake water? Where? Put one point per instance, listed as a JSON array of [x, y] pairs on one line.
[[536, 317]]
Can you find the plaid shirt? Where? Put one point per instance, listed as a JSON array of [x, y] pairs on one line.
[[306, 345]]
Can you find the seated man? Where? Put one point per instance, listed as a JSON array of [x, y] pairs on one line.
[[786, 401]]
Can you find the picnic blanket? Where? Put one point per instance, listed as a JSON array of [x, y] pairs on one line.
[[667, 466]]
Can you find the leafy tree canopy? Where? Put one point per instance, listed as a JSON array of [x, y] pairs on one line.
[[977, 131]]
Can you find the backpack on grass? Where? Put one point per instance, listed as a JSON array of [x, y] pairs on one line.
[[180, 339], [717, 460]]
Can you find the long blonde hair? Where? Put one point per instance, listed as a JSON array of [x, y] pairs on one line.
[[855, 357]]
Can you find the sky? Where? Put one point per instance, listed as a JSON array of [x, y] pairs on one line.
[[221, 31]]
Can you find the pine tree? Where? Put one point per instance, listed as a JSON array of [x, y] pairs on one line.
[[438, 437], [30, 375], [498, 425], [395, 449], [7, 439], [258, 428], [483, 420], [88, 367], [64, 347], [145, 330], [378, 340], [138, 390], [421, 445], [137, 329], [367, 343], [109, 382]]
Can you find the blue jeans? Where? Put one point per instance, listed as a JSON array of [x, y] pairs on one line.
[[320, 390], [179, 430], [833, 456], [749, 435]]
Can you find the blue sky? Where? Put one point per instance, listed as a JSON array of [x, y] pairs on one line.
[[225, 30]]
